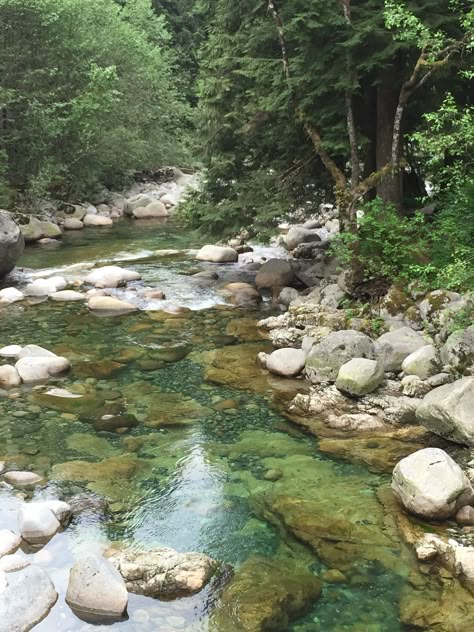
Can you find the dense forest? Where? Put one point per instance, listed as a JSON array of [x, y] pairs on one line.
[[282, 105]]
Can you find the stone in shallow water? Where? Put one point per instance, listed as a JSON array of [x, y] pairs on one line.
[[264, 595], [163, 573], [109, 304], [11, 351], [35, 351], [96, 590], [26, 599], [9, 377], [11, 563], [38, 369], [20, 479], [118, 468], [37, 523], [9, 542]]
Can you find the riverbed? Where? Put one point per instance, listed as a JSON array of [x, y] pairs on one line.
[[204, 458]]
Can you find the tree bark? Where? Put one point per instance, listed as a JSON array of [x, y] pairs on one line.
[[390, 189]]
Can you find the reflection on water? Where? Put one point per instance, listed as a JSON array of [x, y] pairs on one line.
[[205, 467]]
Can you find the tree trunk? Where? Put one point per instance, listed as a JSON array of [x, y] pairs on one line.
[[390, 189]]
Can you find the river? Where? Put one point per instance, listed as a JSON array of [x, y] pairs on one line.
[[210, 463]]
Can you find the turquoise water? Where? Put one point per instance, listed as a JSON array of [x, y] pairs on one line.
[[190, 457]]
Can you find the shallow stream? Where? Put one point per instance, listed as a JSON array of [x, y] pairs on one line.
[[199, 455]]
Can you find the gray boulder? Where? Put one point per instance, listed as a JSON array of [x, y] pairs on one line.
[[12, 243], [359, 377], [448, 411], [326, 358], [275, 273], [26, 599], [394, 346], [96, 590], [300, 235], [424, 362], [286, 362], [428, 483], [72, 223], [141, 200], [458, 350]]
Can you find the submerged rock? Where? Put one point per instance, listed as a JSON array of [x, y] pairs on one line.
[[26, 599], [96, 590], [448, 411], [265, 595], [430, 484], [163, 573], [9, 377]]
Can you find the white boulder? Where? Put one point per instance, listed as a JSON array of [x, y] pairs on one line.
[[9, 542], [11, 295], [109, 304], [286, 362], [151, 211], [428, 483], [9, 377], [35, 369], [111, 277], [37, 523], [97, 220], [73, 223], [67, 295], [11, 351], [217, 254], [448, 411], [424, 362]]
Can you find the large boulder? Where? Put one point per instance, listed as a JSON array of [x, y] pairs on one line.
[[151, 211], [44, 287], [428, 483], [300, 235], [275, 273], [163, 573], [394, 346], [10, 295], [448, 411], [111, 277], [26, 599], [32, 230], [286, 362], [327, 356], [458, 350], [11, 243], [138, 201], [96, 590], [424, 362], [359, 377], [217, 254]]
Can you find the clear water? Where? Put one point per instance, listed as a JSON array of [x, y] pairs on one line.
[[191, 474]]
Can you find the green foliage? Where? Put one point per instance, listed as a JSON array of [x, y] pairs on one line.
[[462, 318], [387, 245], [88, 94]]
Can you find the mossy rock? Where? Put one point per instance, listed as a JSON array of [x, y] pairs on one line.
[[264, 595]]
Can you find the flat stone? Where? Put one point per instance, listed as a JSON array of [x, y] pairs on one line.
[[97, 221], [10, 351], [26, 599], [217, 254], [35, 351], [96, 590], [73, 223], [19, 478], [11, 295], [67, 295], [11, 563], [109, 304]]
